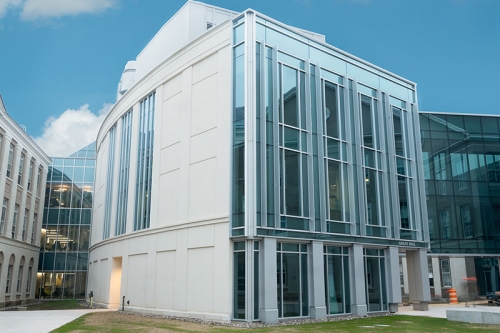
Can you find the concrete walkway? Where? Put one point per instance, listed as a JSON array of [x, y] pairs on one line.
[[439, 310], [38, 321]]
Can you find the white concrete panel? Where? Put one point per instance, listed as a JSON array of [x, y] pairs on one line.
[[200, 292], [172, 87], [224, 130], [151, 269], [137, 245], [202, 236], [186, 144], [222, 270], [136, 286], [93, 277], [166, 241], [205, 68], [165, 280], [202, 185], [204, 105], [204, 146], [181, 273], [101, 294], [168, 211], [170, 158], [171, 121]]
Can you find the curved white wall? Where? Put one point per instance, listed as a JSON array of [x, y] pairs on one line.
[[181, 264]]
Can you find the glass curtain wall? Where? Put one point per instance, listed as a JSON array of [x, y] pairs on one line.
[[238, 172], [462, 172], [312, 131], [293, 157], [121, 207], [318, 141], [109, 182], [145, 163], [462, 176], [335, 154], [62, 267], [372, 161], [405, 174]]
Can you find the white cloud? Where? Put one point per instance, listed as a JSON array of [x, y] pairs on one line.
[[6, 4], [35, 9], [32, 10], [71, 131]]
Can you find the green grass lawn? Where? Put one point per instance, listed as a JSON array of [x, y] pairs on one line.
[[56, 305], [114, 322]]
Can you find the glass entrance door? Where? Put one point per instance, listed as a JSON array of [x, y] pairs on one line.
[[376, 291], [293, 295]]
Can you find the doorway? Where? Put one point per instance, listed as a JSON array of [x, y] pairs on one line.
[[293, 295], [115, 283]]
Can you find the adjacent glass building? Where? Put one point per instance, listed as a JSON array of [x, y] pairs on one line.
[[63, 261], [461, 155]]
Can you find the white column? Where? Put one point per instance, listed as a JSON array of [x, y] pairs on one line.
[[22, 205], [3, 171], [358, 281], [31, 223], [41, 203], [393, 279], [12, 195], [418, 278], [116, 177], [4, 158], [436, 273], [269, 291], [132, 176], [317, 274]]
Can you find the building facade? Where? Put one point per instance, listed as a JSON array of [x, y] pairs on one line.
[[23, 171], [65, 234], [254, 172], [461, 156]]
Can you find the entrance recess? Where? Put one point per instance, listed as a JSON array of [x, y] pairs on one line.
[[115, 283]]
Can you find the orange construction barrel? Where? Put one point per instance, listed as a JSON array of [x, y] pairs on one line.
[[453, 296]]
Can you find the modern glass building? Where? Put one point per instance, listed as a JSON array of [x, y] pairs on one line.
[[64, 245], [267, 175], [461, 155]]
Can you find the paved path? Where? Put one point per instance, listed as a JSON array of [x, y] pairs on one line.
[[439, 310], [38, 321]]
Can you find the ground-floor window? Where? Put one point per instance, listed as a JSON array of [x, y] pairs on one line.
[[446, 272], [337, 282], [375, 282], [245, 293], [239, 281], [293, 294], [61, 284]]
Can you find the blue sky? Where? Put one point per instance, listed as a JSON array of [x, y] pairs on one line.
[[61, 60]]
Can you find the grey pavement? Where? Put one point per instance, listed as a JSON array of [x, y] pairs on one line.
[[439, 310], [38, 321]]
